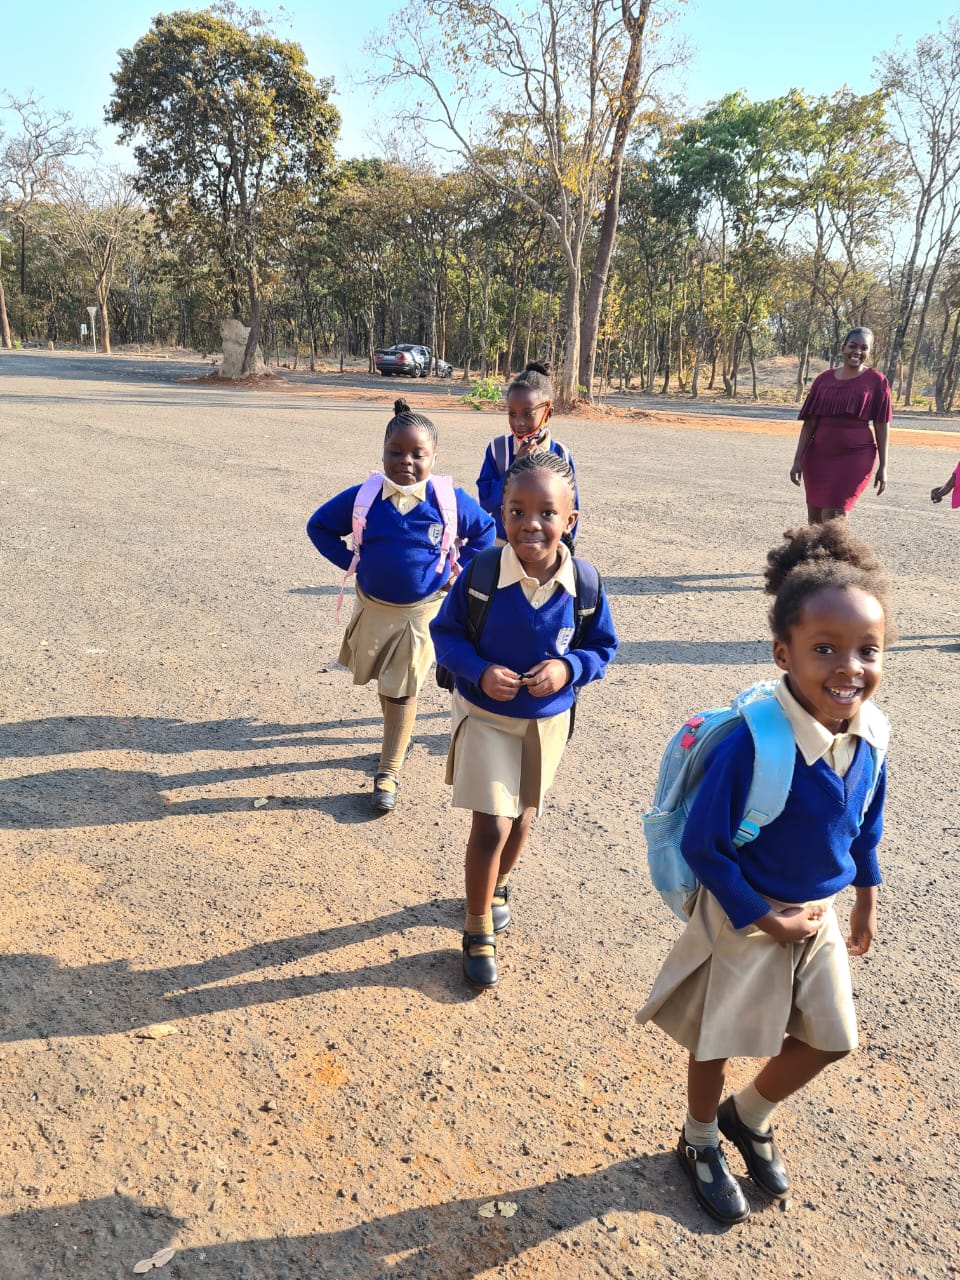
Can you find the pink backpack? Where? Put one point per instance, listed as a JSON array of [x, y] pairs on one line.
[[447, 501]]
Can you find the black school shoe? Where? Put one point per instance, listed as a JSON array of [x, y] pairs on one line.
[[718, 1192], [479, 971], [383, 799], [769, 1174], [501, 908]]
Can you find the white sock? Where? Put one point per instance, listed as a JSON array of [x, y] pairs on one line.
[[699, 1134], [754, 1109]]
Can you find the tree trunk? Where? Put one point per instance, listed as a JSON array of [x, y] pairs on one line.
[[5, 340], [568, 391], [104, 318], [629, 98]]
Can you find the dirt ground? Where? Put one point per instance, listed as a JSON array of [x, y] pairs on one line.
[[331, 1101]]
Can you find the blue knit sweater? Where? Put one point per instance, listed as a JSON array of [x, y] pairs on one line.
[[398, 558], [490, 480], [517, 636], [815, 848]]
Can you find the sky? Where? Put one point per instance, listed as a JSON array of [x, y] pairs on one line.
[[66, 52]]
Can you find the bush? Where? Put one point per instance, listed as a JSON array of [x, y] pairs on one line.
[[484, 391]]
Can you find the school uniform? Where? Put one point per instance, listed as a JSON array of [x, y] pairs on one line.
[[398, 588], [504, 755], [727, 989], [497, 461]]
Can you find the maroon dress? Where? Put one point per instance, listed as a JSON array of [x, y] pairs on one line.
[[839, 460]]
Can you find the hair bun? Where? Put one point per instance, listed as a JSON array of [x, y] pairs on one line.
[[816, 544], [534, 366], [400, 407]]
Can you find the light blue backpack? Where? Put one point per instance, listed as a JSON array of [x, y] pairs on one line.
[[681, 772]]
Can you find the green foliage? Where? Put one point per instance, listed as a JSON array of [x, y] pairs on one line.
[[484, 391]]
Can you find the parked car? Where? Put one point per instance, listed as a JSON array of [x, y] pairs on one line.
[[410, 358]]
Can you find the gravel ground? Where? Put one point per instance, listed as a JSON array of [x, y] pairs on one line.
[[331, 1101]]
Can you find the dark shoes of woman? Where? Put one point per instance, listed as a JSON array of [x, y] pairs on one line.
[[759, 1150], [480, 960], [712, 1182]]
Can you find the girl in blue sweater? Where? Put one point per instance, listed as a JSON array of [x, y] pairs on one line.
[[529, 409], [514, 691], [761, 969], [401, 578]]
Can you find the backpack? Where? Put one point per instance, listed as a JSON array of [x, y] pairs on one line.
[[500, 448], [681, 772], [367, 494], [483, 573]]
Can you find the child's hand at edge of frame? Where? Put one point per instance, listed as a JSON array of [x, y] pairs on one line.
[[863, 923], [795, 924], [547, 677], [500, 683]]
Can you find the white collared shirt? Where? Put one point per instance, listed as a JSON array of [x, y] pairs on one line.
[[403, 497], [511, 571], [815, 741]]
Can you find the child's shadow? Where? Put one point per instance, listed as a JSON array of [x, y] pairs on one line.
[[448, 1241], [40, 1000]]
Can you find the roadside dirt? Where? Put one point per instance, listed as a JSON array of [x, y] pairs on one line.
[[329, 1100]]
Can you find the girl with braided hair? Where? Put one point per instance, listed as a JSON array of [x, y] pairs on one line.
[[404, 557], [516, 680], [761, 969], [529, 409]]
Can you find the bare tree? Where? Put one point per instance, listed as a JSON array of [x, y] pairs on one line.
[[104, 215], [30, 163], [557, 86], [924, 94]]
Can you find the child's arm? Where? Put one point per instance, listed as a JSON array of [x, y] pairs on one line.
[[490, 483], [330, 524], [863, 917], [475, 528], [938, 495]]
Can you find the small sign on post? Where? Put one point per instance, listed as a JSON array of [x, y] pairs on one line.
[[84, 331], [92, 313]]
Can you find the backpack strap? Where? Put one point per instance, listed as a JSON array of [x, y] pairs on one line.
[[586, 599], [366, 496], [446, 497], [774, 760], [501, 453], [483, 574], [880, 731]]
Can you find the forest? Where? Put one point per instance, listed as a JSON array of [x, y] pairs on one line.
[[576, 212]]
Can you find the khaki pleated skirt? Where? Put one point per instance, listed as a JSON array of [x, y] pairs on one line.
[[726, 993], [502, 764], [390, 643]]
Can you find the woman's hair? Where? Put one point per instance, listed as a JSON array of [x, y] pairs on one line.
[[541, 462], [860, 328], [813, 558], [535, 377], [403, 417]]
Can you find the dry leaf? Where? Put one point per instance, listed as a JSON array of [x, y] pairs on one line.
[[162, 1257], [487, 1210], [158, 1031], [506, 1208], [143, 1266], [258, 804]]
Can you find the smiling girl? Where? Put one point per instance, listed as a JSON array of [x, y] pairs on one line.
[[402, 572], [515, 686], [761, 969]]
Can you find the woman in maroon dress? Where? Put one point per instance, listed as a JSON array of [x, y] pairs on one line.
[[837, 449]]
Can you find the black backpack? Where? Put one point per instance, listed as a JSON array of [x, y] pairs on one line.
[[482, 575]]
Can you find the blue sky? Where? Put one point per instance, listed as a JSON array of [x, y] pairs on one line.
[[66, 52]]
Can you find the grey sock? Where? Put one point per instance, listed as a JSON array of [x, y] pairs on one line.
[[699, 1134]]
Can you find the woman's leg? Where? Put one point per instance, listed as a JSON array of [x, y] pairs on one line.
[[833, 513], [814, 514]]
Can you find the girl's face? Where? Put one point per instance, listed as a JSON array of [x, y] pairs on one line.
[[537, 511], [527, 411], [408, 456], [855, 350], [834, 654]]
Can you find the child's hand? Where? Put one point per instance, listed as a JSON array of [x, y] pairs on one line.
[[936, 495], [863, 923], [500, 683], [794, 924], [530, 445], [547, 677]]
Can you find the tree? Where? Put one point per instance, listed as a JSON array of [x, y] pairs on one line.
[[924, 95], [560, 83], [230, 119], [29, 167], [104, 216]]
